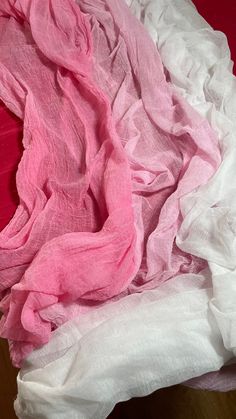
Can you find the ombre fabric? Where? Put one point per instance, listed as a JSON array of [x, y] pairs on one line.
[[73, 233], [128, 348], [154, 144], [99, 187], [197, 60]]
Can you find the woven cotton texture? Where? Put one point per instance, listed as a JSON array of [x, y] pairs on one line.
[[99, 185]]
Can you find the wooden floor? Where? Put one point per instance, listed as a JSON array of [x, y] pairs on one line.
[[7, 383], [176, 402]]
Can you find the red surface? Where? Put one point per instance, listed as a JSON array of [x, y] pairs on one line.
[[10, 154], [221, 15]]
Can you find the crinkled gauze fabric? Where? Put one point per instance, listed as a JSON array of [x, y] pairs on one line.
[[155, 142], [203, 75], [73, 180], [125, 349], [193, 45], [182, 339], [97, 209]]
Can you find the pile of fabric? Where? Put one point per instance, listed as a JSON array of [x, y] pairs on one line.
[[117, 269]]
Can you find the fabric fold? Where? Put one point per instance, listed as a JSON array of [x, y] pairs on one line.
[[74, 225], [126, 349], [197, 60]]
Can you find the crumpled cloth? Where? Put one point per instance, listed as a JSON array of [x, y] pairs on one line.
[[156, 185], [144, 349], [79, 236], [73, 233], [126, 349], [198, 63], [209, 213]]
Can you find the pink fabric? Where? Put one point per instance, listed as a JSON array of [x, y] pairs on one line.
[[68, 173], [83, 232], [167, 143]]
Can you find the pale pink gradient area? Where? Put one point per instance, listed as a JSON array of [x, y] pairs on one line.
[[109, 150]]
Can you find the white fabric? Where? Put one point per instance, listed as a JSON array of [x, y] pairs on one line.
[[168, 335], [161, 338], [198, 62]]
